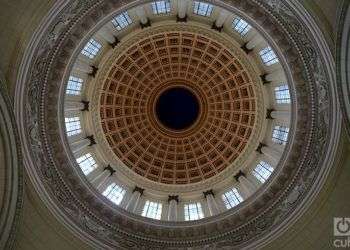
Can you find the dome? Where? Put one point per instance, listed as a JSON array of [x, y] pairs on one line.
[[148, 68], [176, 124]]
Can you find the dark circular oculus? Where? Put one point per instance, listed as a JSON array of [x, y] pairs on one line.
[[177, 108]]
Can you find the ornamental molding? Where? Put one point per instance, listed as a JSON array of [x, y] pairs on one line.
[[255, 222]]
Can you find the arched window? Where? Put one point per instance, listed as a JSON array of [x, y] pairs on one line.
[[232, 198], [241, 26], [152, 210], [73, 126], [87, 163], [280, 134], [161, 7], [193, 211], [268, 56], [91, 48], [74, 86], [282, 94], [121, 21], [114, 193], [202, 9], [262, 171]]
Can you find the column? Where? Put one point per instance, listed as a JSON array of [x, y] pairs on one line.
[[283, 116], [212, 205], [140, 12], [182, 8], [102, 178], [275, 76], [107, 35], [80, 144], [73, 106], [134, 199], [253, 42], [272, 154], [221, 18], [83, 67], [172, 212], [247, 187]]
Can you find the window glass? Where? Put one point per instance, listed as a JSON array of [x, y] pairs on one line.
[[262, 171], [73, 125], [268, 56], [161, 7], [280, 134], [241, 26], [114, 193], [193, 211], [282, 94], [152, 210], [87, 163], [121, 21], [91, 49], [74, 85], [232, 198], [202, 9]]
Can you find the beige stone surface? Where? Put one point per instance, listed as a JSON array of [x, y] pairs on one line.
[[18, 21], [314, 230], [40, 230], [325, 13]]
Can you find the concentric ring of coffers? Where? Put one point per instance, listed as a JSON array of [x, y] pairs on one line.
[[126, 125], [228, 111], [216, 180]]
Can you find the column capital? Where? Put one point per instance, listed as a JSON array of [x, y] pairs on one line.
[[173, 197], [208, 192], [268, 114], [94, 71], [86, 105], [260, 146], [215, 27], [264, 80], [115, 43], [138, 189], [110, 169], [181, 20], [145, 25], [245, 49], [239, 174], [91, 138]]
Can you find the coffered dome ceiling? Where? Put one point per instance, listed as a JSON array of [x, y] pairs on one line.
[[225, 91], [92, 117]]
